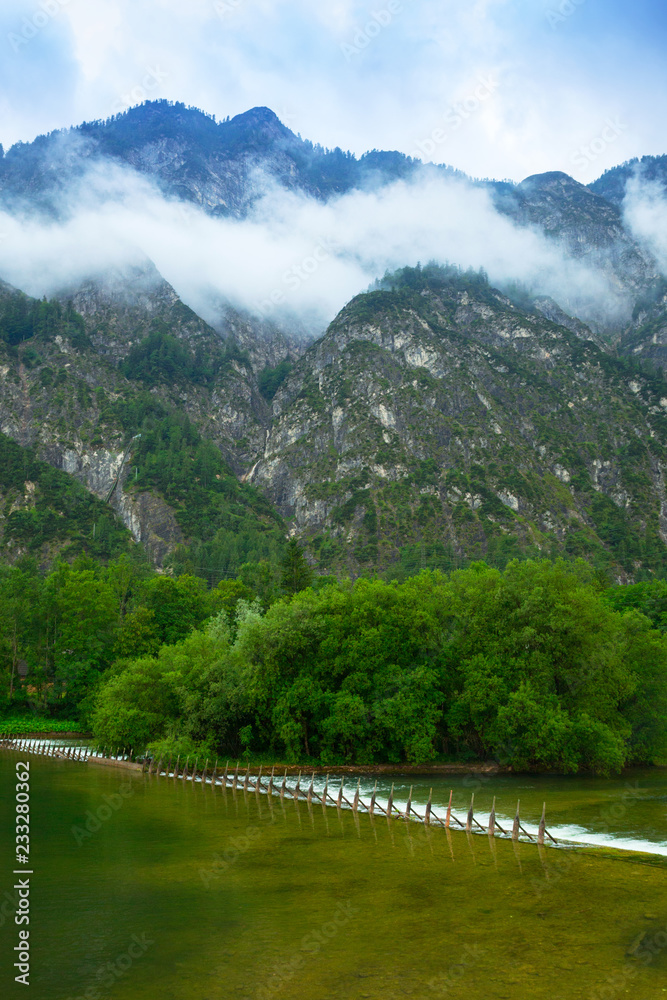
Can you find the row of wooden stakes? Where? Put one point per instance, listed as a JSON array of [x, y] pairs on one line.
[[281, 788], [235, 780], [46, 749]]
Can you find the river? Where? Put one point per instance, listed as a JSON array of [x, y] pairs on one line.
[[150, 888]]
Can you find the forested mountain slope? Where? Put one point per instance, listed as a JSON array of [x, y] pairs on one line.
[[145, 405], [436, 420]]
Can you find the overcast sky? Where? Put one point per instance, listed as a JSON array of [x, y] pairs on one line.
[[493, 87]]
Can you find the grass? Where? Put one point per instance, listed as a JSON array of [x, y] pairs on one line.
[[15, 725]]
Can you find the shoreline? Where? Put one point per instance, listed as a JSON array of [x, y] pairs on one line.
[[416, 770]]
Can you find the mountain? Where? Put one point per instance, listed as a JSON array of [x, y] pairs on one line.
[[587, 225], [612, 184], [194, 158], [437, 420], [145, 405], [224, 167], [645, 339]]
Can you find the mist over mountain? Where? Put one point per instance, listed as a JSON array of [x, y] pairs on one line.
[[243, 338], [245, 213]]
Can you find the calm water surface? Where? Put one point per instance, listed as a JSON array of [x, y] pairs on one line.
[[197, 894]]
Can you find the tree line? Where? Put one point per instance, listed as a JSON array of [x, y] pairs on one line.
[[541, 666]]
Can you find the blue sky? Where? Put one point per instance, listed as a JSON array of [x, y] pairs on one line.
[[495, 88]]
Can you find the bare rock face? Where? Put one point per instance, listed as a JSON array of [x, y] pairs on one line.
[[441, 414], [645, 339], [586, 226], [65, 394], [151, 521]]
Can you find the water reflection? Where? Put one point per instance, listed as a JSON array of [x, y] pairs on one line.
[[245, 896]]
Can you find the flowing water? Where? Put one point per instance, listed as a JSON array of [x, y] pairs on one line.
[[150, 888]]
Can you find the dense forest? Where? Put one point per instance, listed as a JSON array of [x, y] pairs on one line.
[[541, 665]]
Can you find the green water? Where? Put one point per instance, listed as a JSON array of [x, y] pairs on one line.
[[232, 895]]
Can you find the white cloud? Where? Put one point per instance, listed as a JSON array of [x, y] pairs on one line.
[[293, 256], [645, 210]]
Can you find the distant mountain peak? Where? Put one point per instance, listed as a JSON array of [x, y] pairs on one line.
[[258, 117]]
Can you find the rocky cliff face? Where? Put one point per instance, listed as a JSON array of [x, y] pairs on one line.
[[584, 223], [66, 393], [645, 338], [123, 307], [441, 414]]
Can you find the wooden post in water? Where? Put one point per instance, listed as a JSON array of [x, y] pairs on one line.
[[355, 801], [178, 760], [540, 832], [283, 786], [492, 819], [391, 800], [517, 823], [371, 808], [449, 810], [325, 793], [194, 772], [203, 775], [123, 757], [246, 778], [235, 779], [297, 788], [310, 788], [258, 783], [340, 792], [224, 777], [269, 789], [406, 814], [214, 776], [470, 814], [427, 814]]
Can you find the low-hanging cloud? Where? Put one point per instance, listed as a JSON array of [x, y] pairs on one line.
[[293, 259], [645, 213]]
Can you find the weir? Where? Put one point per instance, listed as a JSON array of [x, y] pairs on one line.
[[325, 798]]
